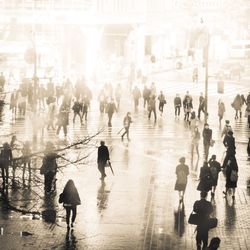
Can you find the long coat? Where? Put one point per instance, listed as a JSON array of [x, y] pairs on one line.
[[231, 166], [181, 168], [205, 183]]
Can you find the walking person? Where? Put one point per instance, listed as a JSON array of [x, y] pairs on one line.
[[77, 108], [201, 107], [151, 107], [227, 127], [205, 177], [182, 171], [16, 153], [118, 94], [26, 154], [52, 110], [237, 104], [70, 199], [231, 176], [5, 162], [221, 110], [146, 96], [63, 118], [49, 167], [207, 139], [215, 169], [177, 105], [203, 209], [85, 108], [195, 143], [193, 121], [110, 110], [229, 143], [126, 123], [188, 106], [162, 102], [136, 95], [102, 158]]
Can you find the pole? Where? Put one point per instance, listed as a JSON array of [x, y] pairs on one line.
[[206, 55]]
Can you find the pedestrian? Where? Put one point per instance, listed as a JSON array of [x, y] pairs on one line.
[[231, 176], [215, 169], [237, 104], [229, 143], [13, 102], [221, 110], [162, 102], [182, 171], [63, 118], [16, 153], [195, 143], [214, 244], [207, 140], [205, 183], [85, 107], [177, 105], [195, 74], [226, 129], [146, 96], [152, 89], [193, 121], [102, 158], [77, 108], [110, 109], [136, 95], [118, 94], [201, 107], [151, 107], [52, 110], [70, 199], [203, 209], [26, 157], [5, 162], [126, 123], [49, 167], [188, 106]]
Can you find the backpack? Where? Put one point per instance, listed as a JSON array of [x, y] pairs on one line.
[[181, 178], [233, 176], [214, 172]]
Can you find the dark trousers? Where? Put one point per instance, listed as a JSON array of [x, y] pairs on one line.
[[206, 150], [110, 119], [126, 132], [177, 110], [161, 106], [150, 111], [68, 213], [201, 238], [5, 174], [201, 108], [75, 114], [48, 179], [64, 126], [101, 168]]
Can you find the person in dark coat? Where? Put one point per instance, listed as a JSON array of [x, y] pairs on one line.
[[102, 158], [237, 104], [177, 105], [214, 244], [204, 209], [49, 167], [205, 183], [63, 118], [207, 137], [5, 161], [71, 200], [230, 182], [162, 102], [201, 105], [151, 107], [215, 168], [77, 108], [229, 143], [110, 109], [182, 171], [188, 106]]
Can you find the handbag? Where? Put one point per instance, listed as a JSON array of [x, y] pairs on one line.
[[194, 219], [212, 223]]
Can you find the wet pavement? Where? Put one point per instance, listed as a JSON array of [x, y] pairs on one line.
[[137, 208]]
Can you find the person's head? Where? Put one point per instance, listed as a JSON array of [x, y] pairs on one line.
[[214, 243], [49, 147], [102, 143], [13, 138], [182, 160], [69, 185], [203, 195], [227, 122], [6, 145], [230, 132], [128, 114], [214, 157], [206, 125], [196, 129]]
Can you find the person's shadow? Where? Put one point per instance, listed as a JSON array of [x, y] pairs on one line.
[[102, 197], [70, 240], [49, 213], [230, 215], [179, 223]]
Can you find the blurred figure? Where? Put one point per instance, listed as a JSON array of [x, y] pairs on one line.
[[110, 109], [248, 147], [52, 110], [226, 129], [151, 107], [207, 137], [196, 136], [221, 110], [182, 171], [13, 102], [146, 96], [26, 154], [177, 105], [205, 177], [229, 143], [2, 80], [162, 102], [237, 104], [136, 95], [63, 118], [118, 94], [5, 161], [126, 123], [70, 199], [193, 121], [187, 106], [201, 107], [215, 168], [77, 108], [195, 74]]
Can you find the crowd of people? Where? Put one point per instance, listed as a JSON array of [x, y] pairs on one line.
[[50, 107]]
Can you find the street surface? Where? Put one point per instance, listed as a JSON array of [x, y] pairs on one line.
[[137, 208]]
